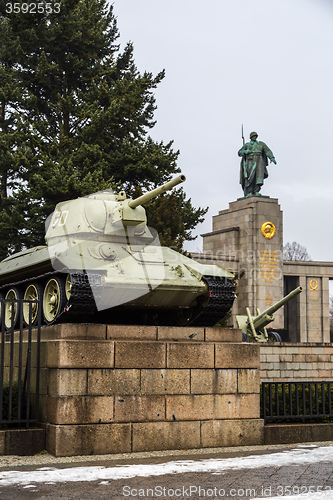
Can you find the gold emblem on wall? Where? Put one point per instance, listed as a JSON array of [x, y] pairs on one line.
[[313, 285], [268, 230]]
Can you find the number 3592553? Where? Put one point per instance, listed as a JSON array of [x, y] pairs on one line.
[[33, 8]]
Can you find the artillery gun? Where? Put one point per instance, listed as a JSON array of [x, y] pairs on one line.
[[103, 263], [254, 328]]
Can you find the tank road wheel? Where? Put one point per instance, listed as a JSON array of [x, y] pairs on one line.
[[33, 292], [12, 308], [68, 286], [54, 299], [182, 317], [2, 311]]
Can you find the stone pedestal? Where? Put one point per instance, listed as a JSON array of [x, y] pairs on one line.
[[250, 233], [119, 388]]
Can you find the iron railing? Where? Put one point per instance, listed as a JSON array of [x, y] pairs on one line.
[[296, 401], [19, 363]]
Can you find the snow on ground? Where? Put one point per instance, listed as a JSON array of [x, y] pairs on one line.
[[301, 455]]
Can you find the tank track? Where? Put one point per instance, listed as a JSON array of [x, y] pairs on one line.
[[85, 289], [221, 297]]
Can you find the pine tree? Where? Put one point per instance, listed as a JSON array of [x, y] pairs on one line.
[[82, 116], [174, 217], [12, 153]]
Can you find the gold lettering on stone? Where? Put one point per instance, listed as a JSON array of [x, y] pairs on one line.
[[268, 263], [268, 300]]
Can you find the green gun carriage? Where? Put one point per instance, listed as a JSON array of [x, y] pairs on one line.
[[254, 328]]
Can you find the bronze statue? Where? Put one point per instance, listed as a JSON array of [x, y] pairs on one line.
[[255, 155]]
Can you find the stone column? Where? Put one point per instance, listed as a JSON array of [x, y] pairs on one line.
[[250, 231], [325, 309], [317, 313], [303, 335]]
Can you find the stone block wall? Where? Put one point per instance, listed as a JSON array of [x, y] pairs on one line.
[[237, 236], [117, 389], [296, 362]]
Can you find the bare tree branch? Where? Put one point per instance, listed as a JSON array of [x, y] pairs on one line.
[[295, 251]]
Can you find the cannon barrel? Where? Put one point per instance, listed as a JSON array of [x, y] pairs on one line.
[[267, 316], [155, 192]]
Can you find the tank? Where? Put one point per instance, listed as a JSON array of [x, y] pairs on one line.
[[103, 263]]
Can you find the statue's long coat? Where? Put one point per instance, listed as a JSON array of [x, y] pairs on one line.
[[254, 168]]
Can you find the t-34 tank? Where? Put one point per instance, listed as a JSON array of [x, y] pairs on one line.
[[103, 263]]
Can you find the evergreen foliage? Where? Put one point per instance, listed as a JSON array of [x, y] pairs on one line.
[[75, 115]]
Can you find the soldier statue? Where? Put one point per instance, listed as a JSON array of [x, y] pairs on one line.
[[254, 165]]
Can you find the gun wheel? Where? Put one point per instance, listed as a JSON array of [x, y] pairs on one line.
[[54, 299], [274, 337]]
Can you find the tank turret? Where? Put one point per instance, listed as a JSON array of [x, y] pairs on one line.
[[103, 213], [131, 212], [103, 263], [254, 328]]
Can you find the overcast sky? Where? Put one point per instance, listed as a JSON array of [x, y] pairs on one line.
[[265, 63]]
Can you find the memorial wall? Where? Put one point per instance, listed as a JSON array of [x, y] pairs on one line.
[[247, 239]]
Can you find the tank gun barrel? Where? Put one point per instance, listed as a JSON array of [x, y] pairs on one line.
[[155, 192], [271, 310]]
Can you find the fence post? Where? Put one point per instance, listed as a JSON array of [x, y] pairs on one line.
[[7, 351]]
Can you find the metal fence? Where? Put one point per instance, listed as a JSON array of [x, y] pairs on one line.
[[296, 401], [19, 362]]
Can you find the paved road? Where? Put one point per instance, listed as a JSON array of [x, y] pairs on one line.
[[298, 472]]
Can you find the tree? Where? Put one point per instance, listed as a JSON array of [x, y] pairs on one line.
[[81, 117], [12, 151], [173, 217], [295, 251]]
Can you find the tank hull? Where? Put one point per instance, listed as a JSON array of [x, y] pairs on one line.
[[152, 281], [102, 258]]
